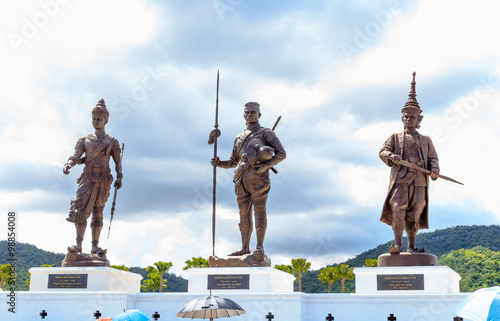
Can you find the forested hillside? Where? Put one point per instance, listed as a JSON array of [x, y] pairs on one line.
[[29, 256], [438, 243], [475, 258]]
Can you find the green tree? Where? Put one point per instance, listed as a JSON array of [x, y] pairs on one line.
[[343, 272], [160, 268], [327, 275], [284, 267], [478, 267], [371, 263], [196, 262], [120, 267], [299, 267], [4, 273], [153, 282]]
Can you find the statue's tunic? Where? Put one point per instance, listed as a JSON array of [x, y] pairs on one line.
[[251, 187], [95, 182], [406, 204]]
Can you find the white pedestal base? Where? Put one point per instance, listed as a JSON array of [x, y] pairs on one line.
[[436, 280], [261, 280], [87, 279]]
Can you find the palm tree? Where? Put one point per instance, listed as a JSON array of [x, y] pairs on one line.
[[327, 275], [299, 267], [344, 272], [284, 267], [120, 267], [196, 262], [153, 283], [160, 268]]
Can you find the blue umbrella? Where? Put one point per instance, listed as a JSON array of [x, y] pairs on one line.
[[481, 305], [132, 315]]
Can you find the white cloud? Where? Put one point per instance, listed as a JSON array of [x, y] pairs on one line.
[[88, 49]]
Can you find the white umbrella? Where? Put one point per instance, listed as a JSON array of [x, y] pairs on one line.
[[481, 305]]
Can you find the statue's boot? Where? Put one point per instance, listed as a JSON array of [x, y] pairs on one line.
[[245, 243], [398, 240], [80, 232], [261, 233], [412, 238], [96, 232]]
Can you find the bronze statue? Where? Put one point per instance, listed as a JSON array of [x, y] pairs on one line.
[[95, 182], [255, 151], [406, 205]]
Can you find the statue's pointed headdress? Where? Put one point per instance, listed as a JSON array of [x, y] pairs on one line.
[[100, 108], [412, 102]]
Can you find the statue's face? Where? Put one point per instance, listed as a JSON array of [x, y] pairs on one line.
[[98, 121], [411, 119], [252, 114]]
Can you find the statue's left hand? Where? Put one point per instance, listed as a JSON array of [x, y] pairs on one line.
[[215, 133], [118, 183], [262, 168], [434, 174]]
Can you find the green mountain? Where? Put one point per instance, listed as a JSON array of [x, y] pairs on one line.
[[439, 242], [28, 256]]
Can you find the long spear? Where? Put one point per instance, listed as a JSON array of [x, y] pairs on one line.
[[216, 126], [114, 197]]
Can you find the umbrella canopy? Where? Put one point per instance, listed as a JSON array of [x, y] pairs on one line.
[[210, 307], [105, 319], [481, 305], [132, 315]]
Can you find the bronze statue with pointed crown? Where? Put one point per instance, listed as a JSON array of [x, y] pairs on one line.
[[406, 204], [94, 186]]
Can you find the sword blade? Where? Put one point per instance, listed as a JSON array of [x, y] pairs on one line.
[[410, 165]]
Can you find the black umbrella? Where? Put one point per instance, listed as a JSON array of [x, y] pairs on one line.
[[210, 307]]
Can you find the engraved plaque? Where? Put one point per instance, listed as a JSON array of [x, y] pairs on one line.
[[228, 282], [67, 281], [400, 282]]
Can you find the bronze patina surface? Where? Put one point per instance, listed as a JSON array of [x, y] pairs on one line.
[[256, 150], [407, 259], [93, 187], [406, 204], [246, 260]]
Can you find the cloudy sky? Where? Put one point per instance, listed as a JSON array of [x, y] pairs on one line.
[[337, 71]]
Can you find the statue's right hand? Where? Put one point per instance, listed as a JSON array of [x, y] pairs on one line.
[[396, 159], [66, 169], [215, 161]]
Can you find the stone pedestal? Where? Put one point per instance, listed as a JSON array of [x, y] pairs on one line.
[[407, 259], [84, 279], [248, 260], [407, 280], [78, 259], [239, 280]]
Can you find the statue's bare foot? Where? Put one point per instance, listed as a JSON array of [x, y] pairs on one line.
[[259, 249], [394, 249], [97, 250], [240, 252], [75, 248]]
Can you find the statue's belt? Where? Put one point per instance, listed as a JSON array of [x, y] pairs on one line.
[[97, 172]]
